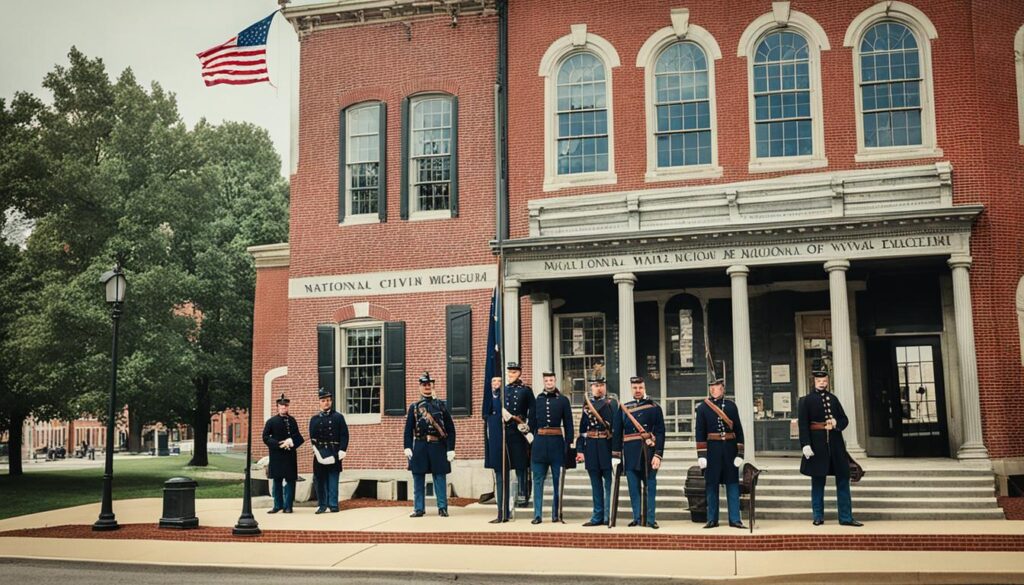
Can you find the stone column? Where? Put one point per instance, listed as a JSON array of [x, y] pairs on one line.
[[510, 322], [540, 342], [742, 369], [970, 400], [842, 350], [627, 332]]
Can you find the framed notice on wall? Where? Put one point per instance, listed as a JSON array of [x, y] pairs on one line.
[[686, 338], [780, 373]]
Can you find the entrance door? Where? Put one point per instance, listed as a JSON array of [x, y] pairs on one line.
[[907, 395]]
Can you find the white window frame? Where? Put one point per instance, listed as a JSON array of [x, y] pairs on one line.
[[415, 214], [1018, 58], [783, 18], [359, 218], [924, 32], [578, 40], [680, 31], [557, 342], [339, 388]]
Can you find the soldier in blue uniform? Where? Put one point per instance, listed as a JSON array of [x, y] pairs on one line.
[[719, 437], [821, 419], [328, 434], [515, 414], [551, 423], [281, 435], [642, 450], [599, 425], [429, 446]]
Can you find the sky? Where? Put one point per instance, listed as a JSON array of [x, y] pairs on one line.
[[158, 40]]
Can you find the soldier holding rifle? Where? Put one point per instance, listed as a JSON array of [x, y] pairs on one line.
[[643, 446], [599, 424]]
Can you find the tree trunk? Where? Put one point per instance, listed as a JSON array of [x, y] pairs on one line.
[[201, 423], [134, 428], [14, 443]]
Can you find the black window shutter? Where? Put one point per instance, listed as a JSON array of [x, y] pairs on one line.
[[325, 357], [460, 367], [341, 166], [394, 368], [403, 191], [382, 166], [453, 192]]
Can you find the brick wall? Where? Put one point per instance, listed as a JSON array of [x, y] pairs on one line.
[[270, 344]]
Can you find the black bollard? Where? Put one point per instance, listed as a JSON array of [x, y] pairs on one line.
[[179, 503]]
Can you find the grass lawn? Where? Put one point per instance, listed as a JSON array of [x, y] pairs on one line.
[[38, 491]]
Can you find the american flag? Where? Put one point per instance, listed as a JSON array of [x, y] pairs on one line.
[[241, 59]]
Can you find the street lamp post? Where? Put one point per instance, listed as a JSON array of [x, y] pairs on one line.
[[115, 283], [247, 524]]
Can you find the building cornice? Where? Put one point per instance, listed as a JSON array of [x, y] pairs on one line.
[[270, 255], [309, 18]]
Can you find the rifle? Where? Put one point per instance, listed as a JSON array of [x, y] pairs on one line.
[[614, 512]]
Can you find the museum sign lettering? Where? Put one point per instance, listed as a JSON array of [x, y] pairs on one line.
[[389, 283]]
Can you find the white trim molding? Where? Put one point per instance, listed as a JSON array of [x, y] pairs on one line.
[[270, 255], [782, 17], [578, 40], [1018, 58], [682, 30], [924, 32], [268, 388]]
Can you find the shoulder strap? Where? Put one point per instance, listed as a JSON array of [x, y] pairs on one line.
[[721, 413], [430, 418], [590, 406]]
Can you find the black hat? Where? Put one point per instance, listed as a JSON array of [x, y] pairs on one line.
[[324, 393], [636, 380], [426, 379], [548, 374], [597, 380], [513, 366], [283, 400], [819, 373], [716, 382]]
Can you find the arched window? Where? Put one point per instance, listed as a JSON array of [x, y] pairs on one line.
[[582, 143], [892, 73], [782, 96], [683, 106]]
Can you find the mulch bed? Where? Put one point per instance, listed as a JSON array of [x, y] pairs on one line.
[[645, 540]]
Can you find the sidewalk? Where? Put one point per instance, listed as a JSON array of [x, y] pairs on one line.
[[386, 539]]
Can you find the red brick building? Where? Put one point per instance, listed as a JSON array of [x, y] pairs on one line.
[[770, 185]]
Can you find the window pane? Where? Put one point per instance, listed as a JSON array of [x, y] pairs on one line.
[[782, 102], [431, 153], [362, 369], [890, 86], [683, 106], [362, 153], [582, 116]]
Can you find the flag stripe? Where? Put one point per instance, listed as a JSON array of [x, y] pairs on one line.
[[236, 72], [228, 43], [235, 81], [234, 64], [232, 54]]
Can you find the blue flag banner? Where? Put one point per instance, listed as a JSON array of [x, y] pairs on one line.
[[492, 366]]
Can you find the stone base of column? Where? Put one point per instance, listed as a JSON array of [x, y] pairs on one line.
[[974, 454], [856, 451]]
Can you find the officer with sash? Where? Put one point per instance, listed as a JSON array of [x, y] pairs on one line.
[[821, 419], [429, 446], [329, 435], [551, 424], [282, 437], [643, 446], [719, 437], [515, 414], [599, 424]]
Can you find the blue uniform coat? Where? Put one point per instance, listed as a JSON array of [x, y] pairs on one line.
[[830, 456], [720, 454], [429, 457], [329, 434], [519, 401], [551, 410], [283, 462], [649, 415], [597, 453]]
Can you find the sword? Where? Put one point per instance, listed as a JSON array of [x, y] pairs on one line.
[[613, 514]]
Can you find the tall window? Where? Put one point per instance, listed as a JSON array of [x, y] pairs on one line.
[[362, 154], [361, 368], [581, 348], [782, 96], [890, 85], [682, 106], [431, 157], [582, 116]]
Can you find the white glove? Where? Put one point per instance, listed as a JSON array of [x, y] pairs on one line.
[[524, 428], [808, 452], [505, 415], [341, 455], [408, 453], [451, 456], [702, 462], [615, 463], [288, 443], [738, 462], [529, 438]]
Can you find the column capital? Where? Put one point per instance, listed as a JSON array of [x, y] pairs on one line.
[[960, 261], [624, 277], [539, 297], [512, 283], [832, 265], [737, 270]]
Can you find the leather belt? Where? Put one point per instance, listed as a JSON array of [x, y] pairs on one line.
[[634, 437], [817, 426], [550, 432], [429, 438], [721, 437], [598, 434]]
